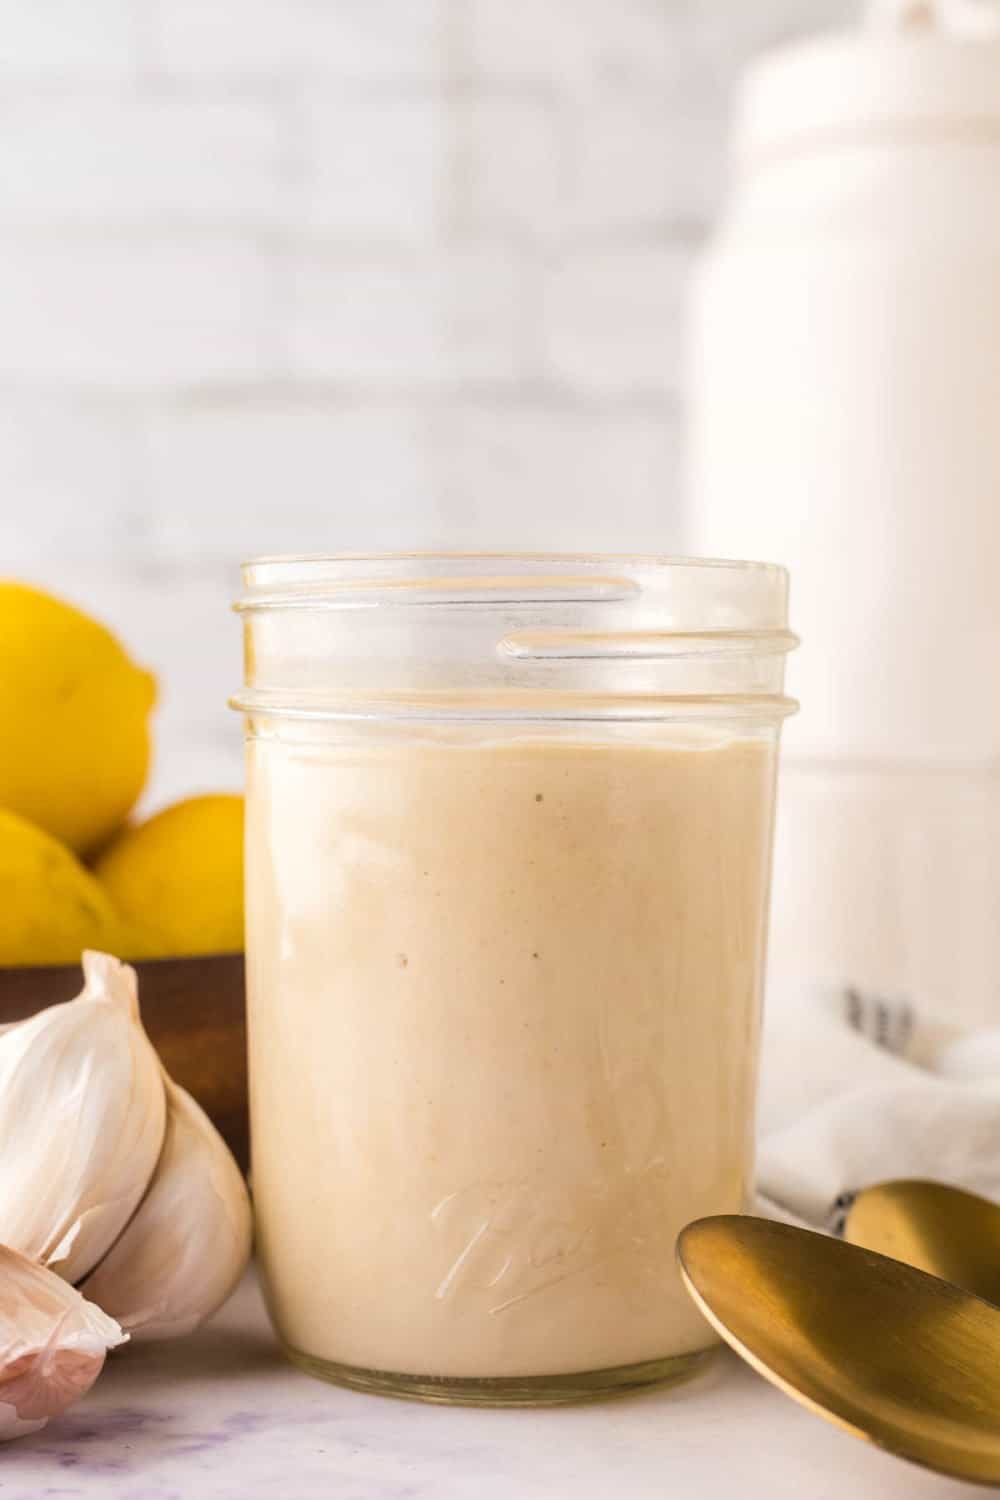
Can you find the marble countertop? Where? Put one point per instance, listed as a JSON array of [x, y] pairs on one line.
[[222, 1415]]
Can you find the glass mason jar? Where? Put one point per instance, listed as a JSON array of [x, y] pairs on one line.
[[508, 842]]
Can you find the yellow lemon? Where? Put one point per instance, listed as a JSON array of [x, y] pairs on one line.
[[51, 907], [177, 880], [74, 750]]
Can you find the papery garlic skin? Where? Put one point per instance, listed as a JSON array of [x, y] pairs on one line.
[[82, 1116], [189, 1242], [52, 1344]]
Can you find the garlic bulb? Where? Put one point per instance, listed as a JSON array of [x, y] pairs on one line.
[[189, 1242], [52, 1344], [82, 1113]]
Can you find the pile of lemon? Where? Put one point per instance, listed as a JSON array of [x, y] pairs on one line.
[[75, 873]]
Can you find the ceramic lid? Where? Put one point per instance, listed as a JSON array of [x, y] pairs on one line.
[[916, 70]]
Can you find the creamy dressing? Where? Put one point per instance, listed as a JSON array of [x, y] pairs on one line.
[[503, 1005]]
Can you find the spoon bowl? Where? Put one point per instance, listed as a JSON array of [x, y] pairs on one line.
[[940, 1229], [889, 1353]]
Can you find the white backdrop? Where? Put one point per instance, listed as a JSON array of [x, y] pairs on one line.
[[308, 274]]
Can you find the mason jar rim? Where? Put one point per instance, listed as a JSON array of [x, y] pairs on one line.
[[515, 554], [463, 633], [298, 580]]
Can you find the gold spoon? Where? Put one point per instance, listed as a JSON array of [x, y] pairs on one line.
[[940, 1229], [891, 1354]]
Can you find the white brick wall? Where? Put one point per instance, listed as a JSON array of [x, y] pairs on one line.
[[611, 320], [525, 471], [508, 164], [379, 165], [132, 313], [60, 40], [163, 162], [386, 319], [356, 40], [240, 477], [573, 43], [69, 480], [295, 274]]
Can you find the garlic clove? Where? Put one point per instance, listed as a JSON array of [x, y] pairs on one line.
[[52, 1344], [82, 1109], [189, 1242]]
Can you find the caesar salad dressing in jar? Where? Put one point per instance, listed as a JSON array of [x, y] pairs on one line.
[[508, 840]]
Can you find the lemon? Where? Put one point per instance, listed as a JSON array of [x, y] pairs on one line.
[[51, 907], [74, 751], [177, 880]]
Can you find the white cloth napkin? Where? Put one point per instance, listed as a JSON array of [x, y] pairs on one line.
[[857, 1089]]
